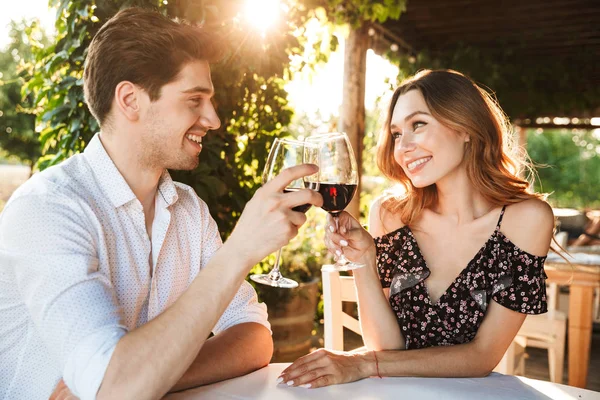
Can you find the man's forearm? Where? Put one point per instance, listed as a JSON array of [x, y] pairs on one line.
[[237, 351], [149, 360]]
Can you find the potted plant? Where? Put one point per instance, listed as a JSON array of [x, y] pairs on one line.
[[292, 311]]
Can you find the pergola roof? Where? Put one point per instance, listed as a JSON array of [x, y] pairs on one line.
[[541, 31], [553, 28]]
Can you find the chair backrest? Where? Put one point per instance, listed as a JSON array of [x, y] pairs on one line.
[[337, 289]]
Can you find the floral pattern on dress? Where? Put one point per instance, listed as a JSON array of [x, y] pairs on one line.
[[500, 271]]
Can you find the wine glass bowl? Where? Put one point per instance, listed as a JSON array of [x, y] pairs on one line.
[[286, 153], [338, 180]]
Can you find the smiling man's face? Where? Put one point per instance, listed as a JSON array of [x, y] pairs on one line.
[[176, 123]]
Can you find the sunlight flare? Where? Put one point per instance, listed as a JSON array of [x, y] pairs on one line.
[[262, 14]]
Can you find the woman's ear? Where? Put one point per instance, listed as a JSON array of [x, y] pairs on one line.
[[127, 100]]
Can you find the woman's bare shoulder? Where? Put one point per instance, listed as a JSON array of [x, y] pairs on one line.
[[529, 224], [381, 219]]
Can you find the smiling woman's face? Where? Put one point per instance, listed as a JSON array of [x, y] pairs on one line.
[[426, 150]]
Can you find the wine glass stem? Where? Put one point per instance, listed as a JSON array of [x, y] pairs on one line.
[[342, 258], [275, 275]]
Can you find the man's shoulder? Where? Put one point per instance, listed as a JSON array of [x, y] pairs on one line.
[[56, 182], [189, 199]]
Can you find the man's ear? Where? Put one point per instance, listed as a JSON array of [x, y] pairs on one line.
[[127, 99]]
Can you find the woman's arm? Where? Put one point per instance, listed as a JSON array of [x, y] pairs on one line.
[[379, 324], [474, 359]]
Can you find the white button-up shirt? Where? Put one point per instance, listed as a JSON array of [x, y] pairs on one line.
[[78, 270]]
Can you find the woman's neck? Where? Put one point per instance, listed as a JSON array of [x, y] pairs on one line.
[[459, 199]]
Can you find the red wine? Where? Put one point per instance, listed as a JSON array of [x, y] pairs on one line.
[[336, 196], [302, 208]]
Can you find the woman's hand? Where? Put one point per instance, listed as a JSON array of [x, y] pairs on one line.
[[327, 367], [350, 238]]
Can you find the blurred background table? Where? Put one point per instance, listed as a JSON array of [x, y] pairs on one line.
[[582, 276]]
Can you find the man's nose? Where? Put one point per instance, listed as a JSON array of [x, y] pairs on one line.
[[209, 118]]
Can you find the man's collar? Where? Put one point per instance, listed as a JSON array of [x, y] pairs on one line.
[[112, 182], [166, 189]]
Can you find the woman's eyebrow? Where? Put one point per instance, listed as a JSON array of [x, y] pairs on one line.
[[409, 116]]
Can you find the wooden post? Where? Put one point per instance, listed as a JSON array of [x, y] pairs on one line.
[[352, 115]]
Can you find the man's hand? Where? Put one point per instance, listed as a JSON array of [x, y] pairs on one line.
[[62, 392], [268, 221]]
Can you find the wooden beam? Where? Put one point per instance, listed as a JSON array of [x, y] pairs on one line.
[[554, 126], [352, 115]]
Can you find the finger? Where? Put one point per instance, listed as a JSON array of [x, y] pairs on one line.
[[315, 355], [332, 247], [301, 197], [325, 380], [289, 175], [309, 376], [296, 218], [292, 376], [344, 218], [337, 240]]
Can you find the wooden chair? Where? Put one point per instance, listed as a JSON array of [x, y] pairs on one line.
[[546, 331], [337, 289]]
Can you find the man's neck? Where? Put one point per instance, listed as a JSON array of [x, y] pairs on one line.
[[142, 180]]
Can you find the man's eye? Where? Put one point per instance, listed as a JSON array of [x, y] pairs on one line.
[[196, 101]]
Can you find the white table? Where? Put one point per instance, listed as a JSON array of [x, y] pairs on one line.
[[261, 385]]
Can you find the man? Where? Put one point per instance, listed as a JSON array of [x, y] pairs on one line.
[[112, 275]]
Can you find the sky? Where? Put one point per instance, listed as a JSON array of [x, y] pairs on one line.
[[322, 92]]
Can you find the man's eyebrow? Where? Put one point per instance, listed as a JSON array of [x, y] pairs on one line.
[[200, 89], [409, 116]]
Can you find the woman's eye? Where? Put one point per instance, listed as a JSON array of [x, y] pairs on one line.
[[396, 135], [417, 124]]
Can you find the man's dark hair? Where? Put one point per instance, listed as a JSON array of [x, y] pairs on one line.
[[145, 48]]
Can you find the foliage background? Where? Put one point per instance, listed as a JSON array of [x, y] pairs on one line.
[[17, 127]]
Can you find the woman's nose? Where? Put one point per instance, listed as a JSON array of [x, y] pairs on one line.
[[406, 142]]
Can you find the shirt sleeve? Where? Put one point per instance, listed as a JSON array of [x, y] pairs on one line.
[[521, 283], [49, 246], [245, 306]]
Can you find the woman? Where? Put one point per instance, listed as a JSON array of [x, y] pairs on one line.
[[457, 261]]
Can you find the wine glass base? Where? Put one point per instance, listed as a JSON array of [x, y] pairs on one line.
[[282, 282], [342, 267]]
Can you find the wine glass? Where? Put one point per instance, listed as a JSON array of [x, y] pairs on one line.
[[338, 177], [287, 153]]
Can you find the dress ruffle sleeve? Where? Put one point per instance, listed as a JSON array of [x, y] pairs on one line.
[[520, 284], [398, 263]]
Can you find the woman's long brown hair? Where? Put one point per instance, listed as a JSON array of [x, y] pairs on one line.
[[458, 103]]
